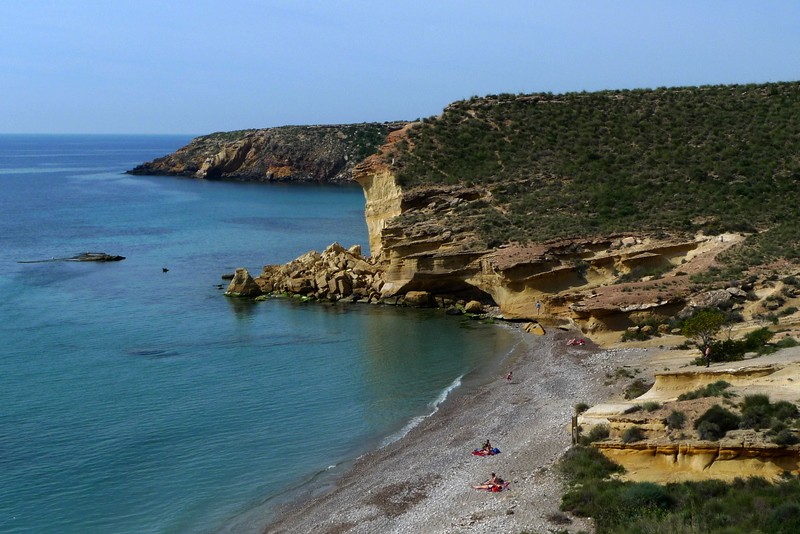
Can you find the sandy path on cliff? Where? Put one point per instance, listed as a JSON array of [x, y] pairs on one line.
[[422, 483]]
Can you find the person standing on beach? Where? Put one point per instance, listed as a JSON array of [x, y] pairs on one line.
[[508, 376], [538, 307], [708, 355]]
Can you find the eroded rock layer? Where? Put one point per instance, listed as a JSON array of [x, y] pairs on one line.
[[423, 243]]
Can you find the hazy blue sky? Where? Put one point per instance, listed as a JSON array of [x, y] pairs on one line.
[[158, 66]]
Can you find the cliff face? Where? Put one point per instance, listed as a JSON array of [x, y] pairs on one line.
[[424, 238], [585, 209], [285, 154]]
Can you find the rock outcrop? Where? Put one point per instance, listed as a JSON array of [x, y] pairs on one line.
[[285, 154], [452, 206], [243, 285], [424, 254], [422, 245], [334, 274], [698, 460]]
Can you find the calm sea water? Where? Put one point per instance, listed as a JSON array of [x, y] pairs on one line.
[[134, 400]]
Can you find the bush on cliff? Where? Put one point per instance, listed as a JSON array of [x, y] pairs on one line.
[[740, 507], [717, 389], [633, 434], [675, 420], [759, 413], [715, 423], [675, 159], [637, 388], [597, 433]]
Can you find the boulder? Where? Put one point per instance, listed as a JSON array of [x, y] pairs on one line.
[[344, 286], [534, 328], [473, 306], [243, 285], [301, 285], [420, 299], [711, 299], [737, 292]]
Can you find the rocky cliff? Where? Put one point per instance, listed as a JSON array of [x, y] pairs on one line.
[[285, 154], [597, 210], [673, 450], [425, 238]]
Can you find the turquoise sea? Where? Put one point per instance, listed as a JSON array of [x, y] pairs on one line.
[[135, 400]]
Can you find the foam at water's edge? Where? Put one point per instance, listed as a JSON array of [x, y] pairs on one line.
[[418, 419], [434, 405]]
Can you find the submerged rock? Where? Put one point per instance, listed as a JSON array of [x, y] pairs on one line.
[[95, 256]]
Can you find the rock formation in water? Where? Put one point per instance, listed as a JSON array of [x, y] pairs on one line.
[[243, 285]]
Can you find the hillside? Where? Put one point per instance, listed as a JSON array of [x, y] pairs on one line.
[[680, 160], [285, 154]]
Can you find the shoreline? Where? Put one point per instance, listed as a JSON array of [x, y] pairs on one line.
[[422, 481], [320, 483]]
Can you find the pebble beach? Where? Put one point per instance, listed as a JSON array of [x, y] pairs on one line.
[[423, 482]]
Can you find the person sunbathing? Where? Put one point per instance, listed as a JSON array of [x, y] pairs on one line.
[[491, 483], [487, 447]]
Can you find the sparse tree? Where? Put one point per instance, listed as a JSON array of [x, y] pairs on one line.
[[702, 327]]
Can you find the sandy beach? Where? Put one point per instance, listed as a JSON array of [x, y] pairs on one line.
[[423, 482]]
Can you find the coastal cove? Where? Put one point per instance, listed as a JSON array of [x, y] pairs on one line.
[[139, 400]]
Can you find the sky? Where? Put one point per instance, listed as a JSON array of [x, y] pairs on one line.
[[161, 67]]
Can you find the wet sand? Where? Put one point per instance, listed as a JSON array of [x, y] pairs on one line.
[[423, 482]]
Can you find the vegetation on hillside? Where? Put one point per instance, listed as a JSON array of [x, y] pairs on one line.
[[359, 140], [713, 158], [743, 506], [325, 153]]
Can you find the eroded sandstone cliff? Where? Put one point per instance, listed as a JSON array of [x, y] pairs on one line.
[[590, 210], [425, 239]]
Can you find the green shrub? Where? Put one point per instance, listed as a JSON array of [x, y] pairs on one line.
[[581, 407], [675, 420], [717, 389], [583, 464], [635, 335], [632, 434], [597, 433], [756, 339], [646, 496], [709, 431], [784, 410], [728, 350], [715, 423], [756, 412], [742, 506], [637, 388], [784, 518], [785, 438], [651, 406]]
